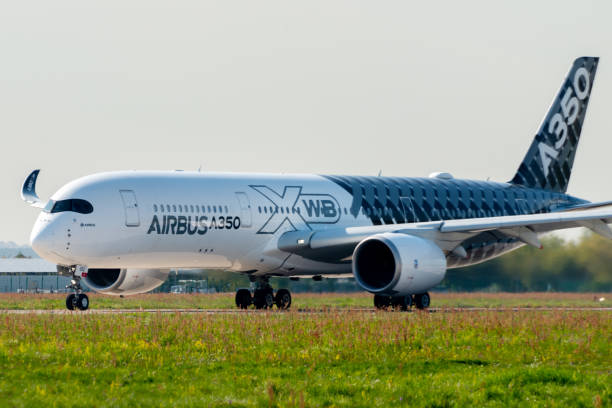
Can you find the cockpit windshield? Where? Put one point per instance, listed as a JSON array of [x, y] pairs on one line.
[[74, 204]]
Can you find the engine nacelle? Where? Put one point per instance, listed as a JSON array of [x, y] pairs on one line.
[[398, 264], [125, 281]]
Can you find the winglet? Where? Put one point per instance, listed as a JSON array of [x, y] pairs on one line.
[[28, 191]]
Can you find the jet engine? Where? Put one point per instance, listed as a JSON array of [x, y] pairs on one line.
[[125, 281], [398, 264]]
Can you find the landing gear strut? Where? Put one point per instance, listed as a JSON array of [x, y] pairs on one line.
[[263, 296], [78, 299], [404, 303]]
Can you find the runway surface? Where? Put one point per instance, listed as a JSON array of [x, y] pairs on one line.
[[306, 311]]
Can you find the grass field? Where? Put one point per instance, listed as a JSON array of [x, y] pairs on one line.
[[307, 300], [548, 358], [338, 358]]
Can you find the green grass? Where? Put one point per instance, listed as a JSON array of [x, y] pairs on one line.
[[306, 300], [336, 358]]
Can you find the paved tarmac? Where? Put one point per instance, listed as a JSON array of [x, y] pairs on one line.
[[311, 311]]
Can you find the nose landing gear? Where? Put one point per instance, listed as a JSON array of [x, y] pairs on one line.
[[263, 296], [78, 299]]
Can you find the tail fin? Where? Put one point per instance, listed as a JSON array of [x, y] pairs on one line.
[[549, 160]]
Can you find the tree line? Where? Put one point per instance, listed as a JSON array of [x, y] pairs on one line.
[[581, 266]]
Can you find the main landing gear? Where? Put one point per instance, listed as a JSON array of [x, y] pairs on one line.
[[263, 296], [78, 299], [404, 303]]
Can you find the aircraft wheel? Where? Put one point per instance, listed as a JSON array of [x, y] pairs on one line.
[[243, 298], [283, 299], [403, 303], [70, 301], [382, 302], [422, 300], [269, 300], [82, 301], [264, 298]]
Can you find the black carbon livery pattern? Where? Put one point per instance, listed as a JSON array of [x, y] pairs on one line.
[[395, 200], [548, 162], [538, 186]]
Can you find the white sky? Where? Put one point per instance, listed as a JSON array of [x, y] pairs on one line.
[[320, 86]]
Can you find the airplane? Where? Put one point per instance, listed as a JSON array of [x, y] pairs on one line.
[[122, 232]]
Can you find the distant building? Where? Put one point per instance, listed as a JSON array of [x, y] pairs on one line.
[[30, 275]]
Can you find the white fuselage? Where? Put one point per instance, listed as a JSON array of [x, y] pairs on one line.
[[193, 220]]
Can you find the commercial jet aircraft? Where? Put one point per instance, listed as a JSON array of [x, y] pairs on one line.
[[121, 232]]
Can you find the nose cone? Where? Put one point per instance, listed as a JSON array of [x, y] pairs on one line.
[[42, 239]]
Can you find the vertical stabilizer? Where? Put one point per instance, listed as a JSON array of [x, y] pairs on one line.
[[549, 160]]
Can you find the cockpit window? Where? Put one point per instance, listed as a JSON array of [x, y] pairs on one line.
[[75, 204]]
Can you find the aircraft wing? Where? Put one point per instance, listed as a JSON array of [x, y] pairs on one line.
[[449, 235]]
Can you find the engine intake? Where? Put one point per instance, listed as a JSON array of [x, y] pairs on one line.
[[125, 281], [398, 264]]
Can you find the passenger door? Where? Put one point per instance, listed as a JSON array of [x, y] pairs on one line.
[[245, 209], [130, 205]]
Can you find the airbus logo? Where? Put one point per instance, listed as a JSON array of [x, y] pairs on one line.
[[297, 210]]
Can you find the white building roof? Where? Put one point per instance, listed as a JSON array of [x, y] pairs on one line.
[[17, 265]]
